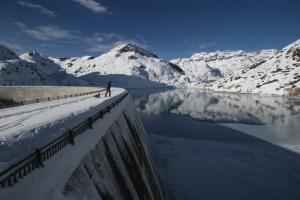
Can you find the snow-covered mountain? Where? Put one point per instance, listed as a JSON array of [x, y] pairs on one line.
[[53, 72], [15, 71], [128, 66], [32, 69], [265, 72], [211, 66], [278, 75]]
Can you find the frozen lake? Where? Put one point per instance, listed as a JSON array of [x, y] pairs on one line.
[[223, 146]]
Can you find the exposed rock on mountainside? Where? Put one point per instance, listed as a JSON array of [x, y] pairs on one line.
[[135, 49], [279, 75]]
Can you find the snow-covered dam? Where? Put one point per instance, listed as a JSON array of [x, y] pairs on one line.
[[106, 154]]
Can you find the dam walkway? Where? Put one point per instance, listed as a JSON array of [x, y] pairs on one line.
[[31, 134]]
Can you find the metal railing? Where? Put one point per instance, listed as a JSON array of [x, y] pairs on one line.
[[36, 160], [39, 100]]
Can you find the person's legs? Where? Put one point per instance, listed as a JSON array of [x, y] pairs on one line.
[[106, 92], [109, 92]]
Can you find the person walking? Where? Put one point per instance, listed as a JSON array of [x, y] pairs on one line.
[[108, 86]]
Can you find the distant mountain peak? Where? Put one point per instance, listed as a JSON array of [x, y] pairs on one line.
[[124, 48]]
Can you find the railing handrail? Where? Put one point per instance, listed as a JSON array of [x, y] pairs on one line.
[[44, 99], [19, 170]]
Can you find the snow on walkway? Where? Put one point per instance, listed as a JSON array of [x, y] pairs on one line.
[[47, 183], [24, 128]]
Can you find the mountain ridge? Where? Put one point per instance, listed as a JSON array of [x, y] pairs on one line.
[[269, 71]]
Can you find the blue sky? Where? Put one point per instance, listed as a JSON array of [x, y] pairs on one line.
[[169, 28]]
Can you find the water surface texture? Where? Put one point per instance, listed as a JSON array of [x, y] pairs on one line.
[[223, 146]]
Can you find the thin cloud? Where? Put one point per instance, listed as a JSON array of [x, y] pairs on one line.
[[206, 45], [101, 37], [41, 9], [99, 48], [196, 46], [97, 42], [92, 5], [12, 45], [46, 32]]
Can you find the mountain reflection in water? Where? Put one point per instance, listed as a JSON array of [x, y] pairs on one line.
[[219, 107]]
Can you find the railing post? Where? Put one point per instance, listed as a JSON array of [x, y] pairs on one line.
[[3, 184], [90, 123], [39, 158], [9, 182], [71, 137]]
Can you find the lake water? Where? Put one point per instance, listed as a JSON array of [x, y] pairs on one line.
[[223, 146]]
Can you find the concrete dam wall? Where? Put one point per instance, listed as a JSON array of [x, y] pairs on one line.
[[119, 167], [25, 93]]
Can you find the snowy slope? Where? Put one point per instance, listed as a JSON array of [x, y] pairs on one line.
[[32, 69], [14, 71], [199, 71], [126, 65], [210, 66], [52, 71], [279, 75]]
